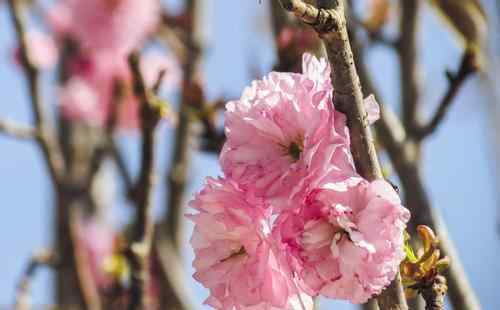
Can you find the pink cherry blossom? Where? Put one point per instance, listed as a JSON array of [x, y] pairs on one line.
[[284, 129], [347, 238], [235, 258], [113, 26]]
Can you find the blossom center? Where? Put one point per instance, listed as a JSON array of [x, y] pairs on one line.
[[240, 252], [294, 149]]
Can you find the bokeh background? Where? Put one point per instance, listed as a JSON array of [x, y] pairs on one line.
[[460, 160]]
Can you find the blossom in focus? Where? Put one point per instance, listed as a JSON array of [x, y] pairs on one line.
[[347, 238], [235, 257], [113, 26], [283, 130]]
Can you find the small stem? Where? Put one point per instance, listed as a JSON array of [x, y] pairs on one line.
[[434, 293], [39, 259], [17, 131], [467, 67]]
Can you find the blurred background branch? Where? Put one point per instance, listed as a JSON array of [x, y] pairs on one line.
[[76, 154]]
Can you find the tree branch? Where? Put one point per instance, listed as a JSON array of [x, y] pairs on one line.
[[170, 260], [142, 230], [330, 23], [467, 67], [16, 130], [179, 167], [39, 259], [407, 53], [87, 285], [435, 294], [401, 151], [45, 137]]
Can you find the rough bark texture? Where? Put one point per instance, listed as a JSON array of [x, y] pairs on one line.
[[330, 23], [404, 156], [434, 295]]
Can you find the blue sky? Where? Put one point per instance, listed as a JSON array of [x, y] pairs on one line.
[[458, 164]]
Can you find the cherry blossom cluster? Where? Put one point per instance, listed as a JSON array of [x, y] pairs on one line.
[[96, 37], [291, 219]]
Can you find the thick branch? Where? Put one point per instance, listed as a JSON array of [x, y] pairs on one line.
[[142, 230], [16, 130], [331, 25], [467, 67], [392, 135], [304, 11], [46, 139]]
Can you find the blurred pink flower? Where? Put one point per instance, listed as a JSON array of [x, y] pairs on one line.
[[152, 63], [97, 239], [42, 49], [88, 94], [347, 238], [234, 255], [285, 130], [113, 26]]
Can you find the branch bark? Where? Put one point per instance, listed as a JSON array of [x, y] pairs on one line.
[[39, 259], [407, 53], [330, 23], [142, 230], [467, 67], [393, 136], [16, 130], [45, 138], [435, 294], [179, 167]]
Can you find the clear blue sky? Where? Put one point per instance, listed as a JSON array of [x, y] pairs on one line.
[[458, 159]]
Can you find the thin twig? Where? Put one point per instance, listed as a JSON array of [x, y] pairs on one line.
[[159, 80], [45, 138], [121, 164], [142, 230], [467, 67], [179, 167], [331, 25], [16, 130], [109, 147], [39, 259]]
